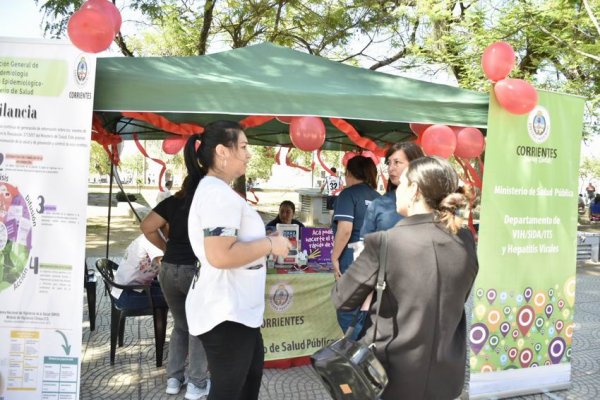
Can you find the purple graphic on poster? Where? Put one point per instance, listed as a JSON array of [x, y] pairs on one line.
[[318, 243]]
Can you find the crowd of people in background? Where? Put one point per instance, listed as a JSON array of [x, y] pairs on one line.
[[208, 247], [592, 201]]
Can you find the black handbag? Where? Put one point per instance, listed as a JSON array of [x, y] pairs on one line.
[[349, 369]]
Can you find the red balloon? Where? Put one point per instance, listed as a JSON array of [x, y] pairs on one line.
[[173, 144], [439, 140], [469, 143], [307, 133], [284, 120], [107, 8], [90, 30], [498, 60], [347, 157], [418, 129], [516, 95]]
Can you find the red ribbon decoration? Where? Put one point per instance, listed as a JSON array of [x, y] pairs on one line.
[[255, 120], [108, 141], [255, 201], [325, 167], [164, 124], [277, 156], [355, 137], [173, 144], [156, 160], [480, 165], [290, 163], [473, 178]]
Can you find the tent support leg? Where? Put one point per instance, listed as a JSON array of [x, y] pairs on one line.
[[109, 209]]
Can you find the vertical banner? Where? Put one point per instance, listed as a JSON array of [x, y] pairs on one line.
[[46, 100], [522, 323]]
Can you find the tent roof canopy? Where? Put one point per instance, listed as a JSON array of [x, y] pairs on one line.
[[270, 80]]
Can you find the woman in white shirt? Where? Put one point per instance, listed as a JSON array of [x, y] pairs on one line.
[[225, 303]]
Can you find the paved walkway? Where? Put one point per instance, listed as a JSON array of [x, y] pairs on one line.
[[134, 375]]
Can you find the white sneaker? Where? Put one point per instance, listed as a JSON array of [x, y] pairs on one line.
[[195, 393], [173, 386]]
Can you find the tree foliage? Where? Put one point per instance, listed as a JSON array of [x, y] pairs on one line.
[[557, 42], [99, 162], [590, 168], [261, 162]]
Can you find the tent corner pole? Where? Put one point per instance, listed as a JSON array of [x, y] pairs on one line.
[[109, 209]]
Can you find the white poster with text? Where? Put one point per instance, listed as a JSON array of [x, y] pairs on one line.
[[46, 102]]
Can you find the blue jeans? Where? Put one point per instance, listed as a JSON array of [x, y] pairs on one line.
[[345, 318], [133, 300], [175, 281]]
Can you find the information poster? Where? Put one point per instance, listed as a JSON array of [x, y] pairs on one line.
[[318, 244], [299, 315], [522, 325], [46, 100]]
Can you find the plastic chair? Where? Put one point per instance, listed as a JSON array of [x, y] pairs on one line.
[[118, 314], [89, 283]]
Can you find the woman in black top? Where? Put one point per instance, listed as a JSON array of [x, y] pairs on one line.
[[177, 271]]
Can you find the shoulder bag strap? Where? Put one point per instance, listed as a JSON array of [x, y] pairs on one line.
[[380, 280]]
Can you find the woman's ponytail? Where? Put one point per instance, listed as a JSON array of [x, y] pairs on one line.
[[195, 171], [452, 211]]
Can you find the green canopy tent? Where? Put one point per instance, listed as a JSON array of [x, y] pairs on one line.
[[270, 80]]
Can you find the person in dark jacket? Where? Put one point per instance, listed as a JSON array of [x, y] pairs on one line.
[[431, 266], [287, 210]]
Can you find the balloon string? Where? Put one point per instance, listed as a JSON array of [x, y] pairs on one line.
[[156, 160]]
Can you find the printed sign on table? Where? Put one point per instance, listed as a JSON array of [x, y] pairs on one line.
[[299, 315], [521, 333], [318, 243]]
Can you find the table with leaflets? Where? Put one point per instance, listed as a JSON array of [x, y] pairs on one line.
[[299, 316]]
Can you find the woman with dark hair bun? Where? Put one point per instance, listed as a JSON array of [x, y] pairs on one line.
[[431, 264], [382, 214], [226, 301]]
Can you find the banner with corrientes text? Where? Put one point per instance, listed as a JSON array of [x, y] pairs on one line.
[[523, 299], [46, 102], [299, 316]]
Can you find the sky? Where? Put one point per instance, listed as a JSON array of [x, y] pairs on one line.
[[21, 18]]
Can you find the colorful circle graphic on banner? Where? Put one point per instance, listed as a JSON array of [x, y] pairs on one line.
[[15, 234], [478, 336]]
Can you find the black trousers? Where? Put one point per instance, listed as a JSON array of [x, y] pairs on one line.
[[235, 357]]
